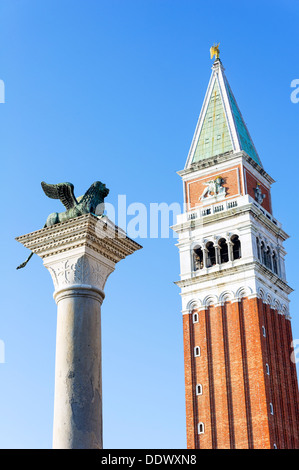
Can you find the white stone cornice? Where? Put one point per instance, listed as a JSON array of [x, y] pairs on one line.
[[224, 158], [99, 235], [245, 205], [217, 273]]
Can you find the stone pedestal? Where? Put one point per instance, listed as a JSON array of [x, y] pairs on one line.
[[80, 254]]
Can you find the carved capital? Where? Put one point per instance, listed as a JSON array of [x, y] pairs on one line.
[[83, 270]]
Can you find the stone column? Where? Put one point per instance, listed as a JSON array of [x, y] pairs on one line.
[[230, 250], [80, 254], [205, 256]]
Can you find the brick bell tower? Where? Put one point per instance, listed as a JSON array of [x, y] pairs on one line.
[[240, 382]]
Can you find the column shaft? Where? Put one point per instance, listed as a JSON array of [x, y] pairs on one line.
[[78, 387]]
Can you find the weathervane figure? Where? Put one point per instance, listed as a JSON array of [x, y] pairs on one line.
[[214, 51]]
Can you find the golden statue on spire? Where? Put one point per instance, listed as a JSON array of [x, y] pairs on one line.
[[214, 51]]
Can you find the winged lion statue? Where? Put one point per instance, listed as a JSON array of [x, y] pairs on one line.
[[92, 202]]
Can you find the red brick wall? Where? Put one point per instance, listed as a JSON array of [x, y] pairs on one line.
[[259, 408], [291, 383], [232, 181], [189, 381], [237, 376], [237, 391], [219, 378], [251, 182]]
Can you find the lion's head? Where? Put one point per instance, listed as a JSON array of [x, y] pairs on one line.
[[101, 189]]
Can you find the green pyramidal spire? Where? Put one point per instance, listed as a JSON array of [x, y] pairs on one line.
[[221, 127], [214, 137]]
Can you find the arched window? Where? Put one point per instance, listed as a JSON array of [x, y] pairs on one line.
[[236, 247], [271, 409], [211, 254], [197, 259], [201, 428], [223, 250], [198, 389], [195, 317], [264, 331], [197, 351]]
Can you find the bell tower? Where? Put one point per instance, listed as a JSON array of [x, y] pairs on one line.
[[240, 382]]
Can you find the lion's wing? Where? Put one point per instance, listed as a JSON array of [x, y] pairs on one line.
[[62, 191]]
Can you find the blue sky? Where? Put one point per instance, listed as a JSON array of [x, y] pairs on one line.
[[111, 90]]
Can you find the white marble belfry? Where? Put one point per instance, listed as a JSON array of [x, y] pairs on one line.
[[80, 254]]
